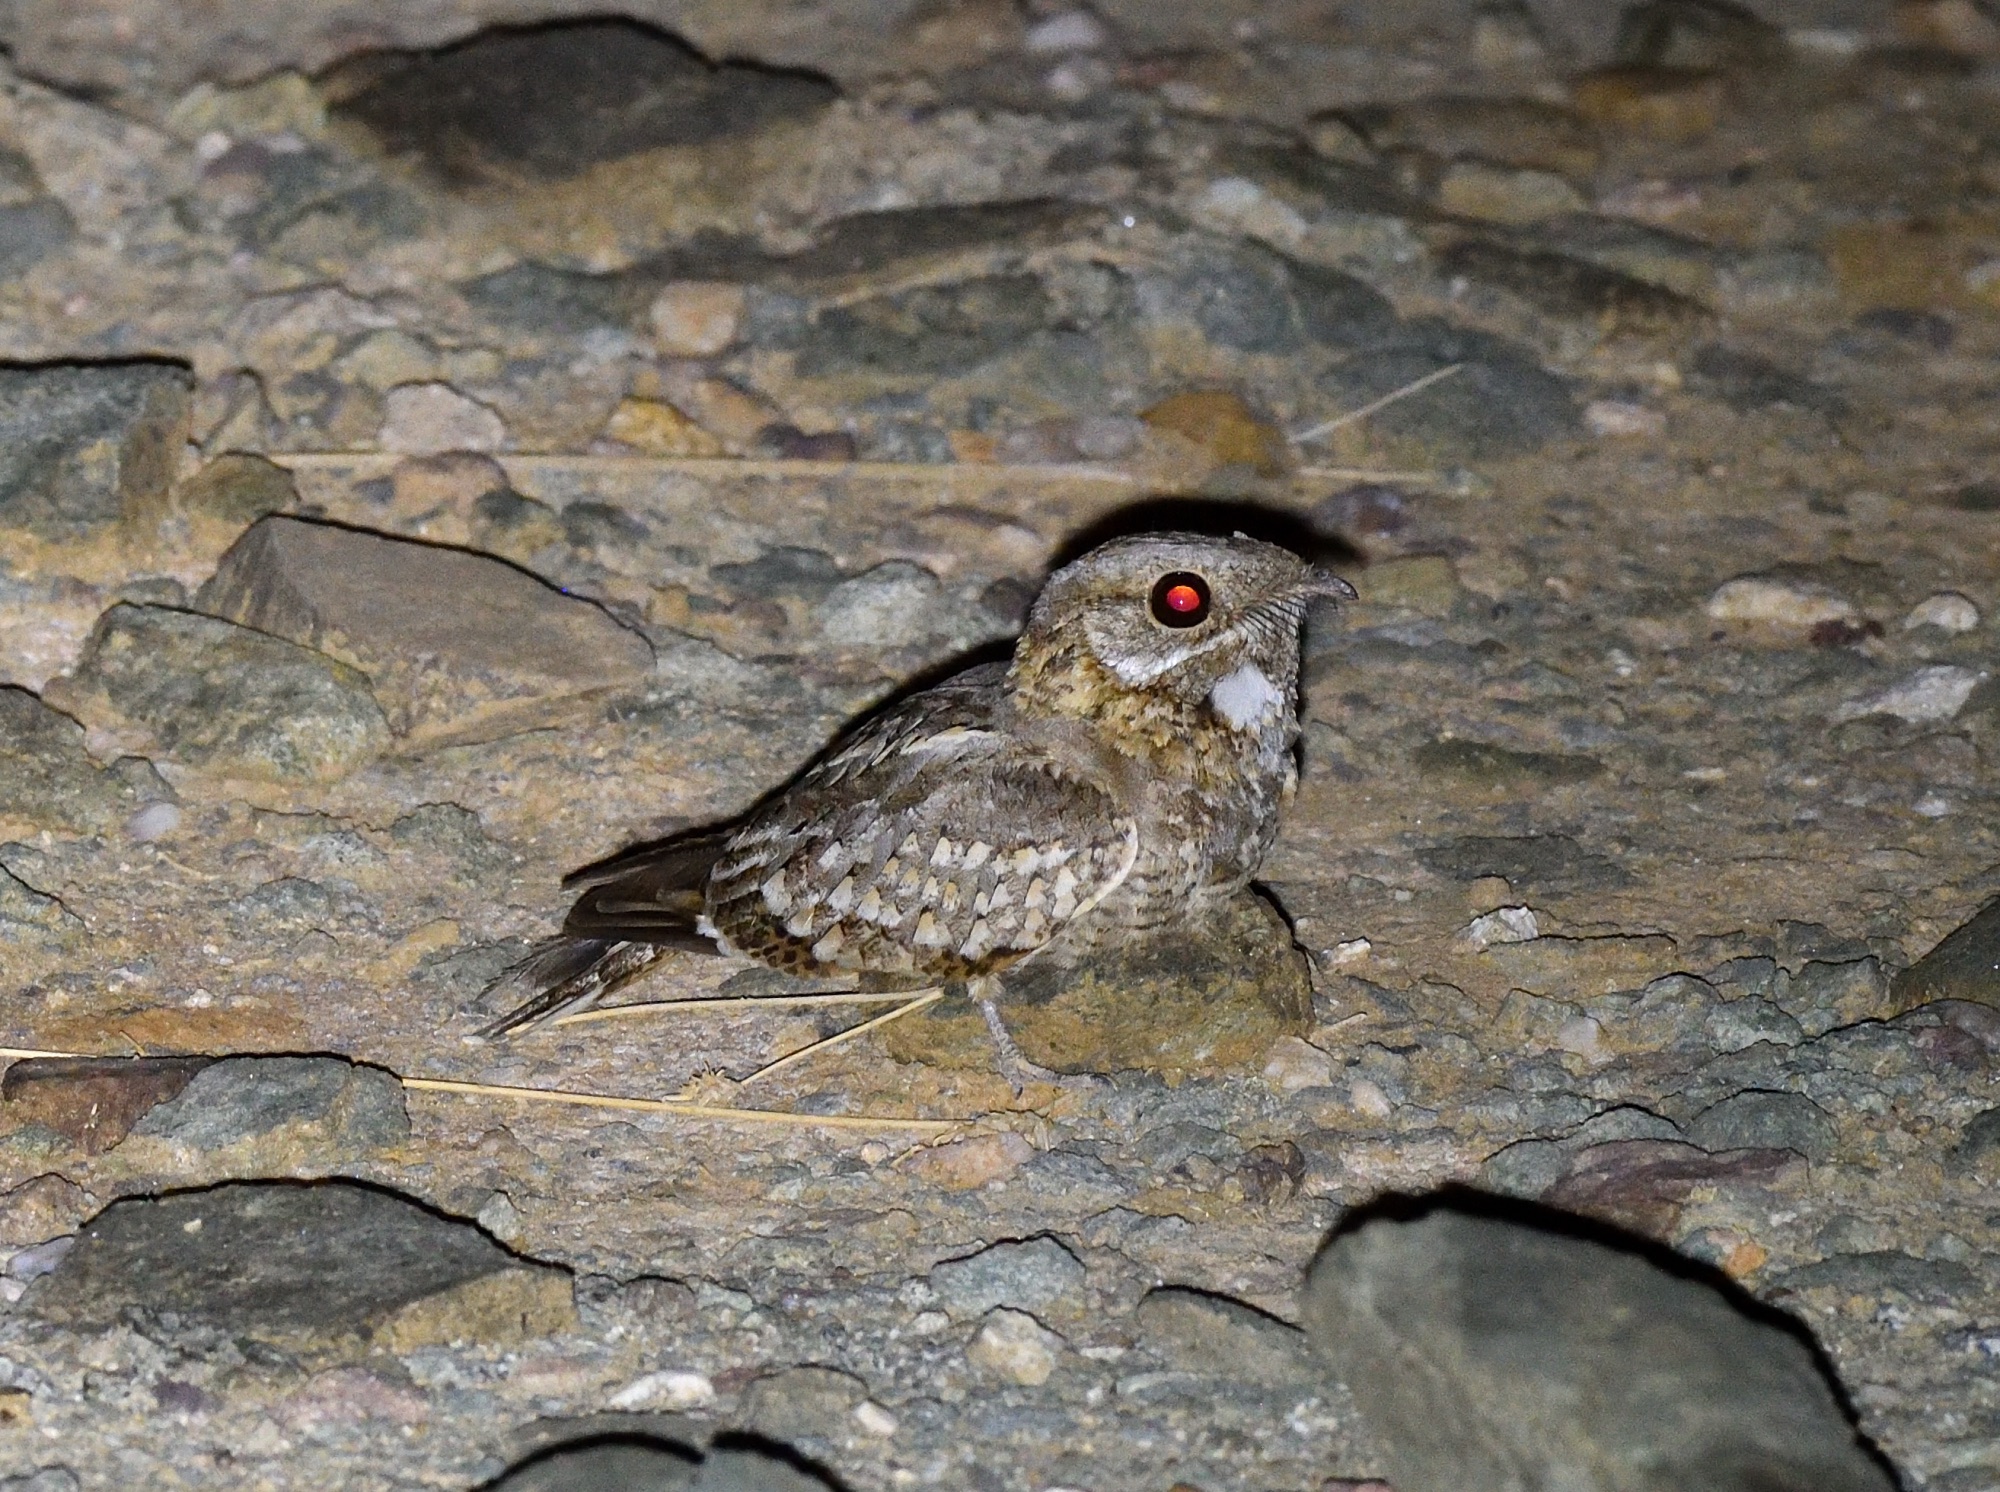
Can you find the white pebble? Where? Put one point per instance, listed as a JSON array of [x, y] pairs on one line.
[[1070, 31], [874, 1420], [1015, 1346], [427, 419], [1931, 806], [1930, 694], [154, 821], [1618, 418], [1365, 1096], [1503, 925], [1293, 1064], [1353, 951], [1785, 603], [1948, 611], [668, 1388]]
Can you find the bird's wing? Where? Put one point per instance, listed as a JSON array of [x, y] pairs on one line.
[[932, 842]]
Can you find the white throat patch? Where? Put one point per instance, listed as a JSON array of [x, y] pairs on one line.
[[1246, 697]]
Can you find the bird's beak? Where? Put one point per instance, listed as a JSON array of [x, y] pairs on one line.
[[1318, 584]]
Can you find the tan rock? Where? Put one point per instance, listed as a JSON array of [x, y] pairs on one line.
[[1223, 428], [1423, 583], [457, 647], [40, 1209], [1661, 103], [1206, 996], [1015, 1346], [963, 1165], [696, 318], [1502, 195], [658, 429], [423, 418]]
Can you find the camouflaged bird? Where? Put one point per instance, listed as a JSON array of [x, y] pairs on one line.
[[1123, 769]]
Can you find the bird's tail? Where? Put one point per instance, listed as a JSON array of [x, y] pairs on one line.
[[636, 909]]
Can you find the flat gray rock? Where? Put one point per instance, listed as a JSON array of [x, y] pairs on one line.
[[225, 698], [1489, 1356], [86, 447], [457, 646], [332, 1266]]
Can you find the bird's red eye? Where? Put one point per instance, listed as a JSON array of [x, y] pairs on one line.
[[1180, 599]]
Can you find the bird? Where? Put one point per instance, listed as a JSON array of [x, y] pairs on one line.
[[1123, 770]]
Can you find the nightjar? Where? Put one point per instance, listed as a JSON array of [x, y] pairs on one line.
[[1124, 768]]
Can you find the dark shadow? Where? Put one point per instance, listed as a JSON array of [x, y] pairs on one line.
[[600, 1460], [1403, 1207], [1217, 518], [745, 1440]]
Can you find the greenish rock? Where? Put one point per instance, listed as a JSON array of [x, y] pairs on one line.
[[1487, 765], [87, 447], [49, 779], [31, 920], [1209, 995], [1964, 966], [225, 698]]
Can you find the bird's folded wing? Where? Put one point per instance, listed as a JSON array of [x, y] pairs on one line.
[[941, 848]]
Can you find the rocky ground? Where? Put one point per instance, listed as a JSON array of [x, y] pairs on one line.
[[1654, 760]]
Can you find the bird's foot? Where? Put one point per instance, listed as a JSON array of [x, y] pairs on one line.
[[1015, 1067]]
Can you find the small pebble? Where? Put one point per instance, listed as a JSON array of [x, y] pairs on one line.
[[1619, 419], [667, 1389], [423, 419], [874, 1420], [1784, 603], [1504, 925], [1068, 31], [42, 1258], [1294, 1064], [1930, 694], [154, 821], [1932, 806], [1015, 1346], [1353, 951], [696, 318], [1948, 611]]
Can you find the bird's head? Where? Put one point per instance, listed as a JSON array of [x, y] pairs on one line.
[[1182, 616]]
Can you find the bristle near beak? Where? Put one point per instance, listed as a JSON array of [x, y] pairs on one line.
[[1324, 584]]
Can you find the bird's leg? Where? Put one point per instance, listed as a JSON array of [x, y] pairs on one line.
[[1014, 1067]]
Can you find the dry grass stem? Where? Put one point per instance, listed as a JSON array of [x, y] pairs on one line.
[[681, 1107], [1353, 416], [992, 472], [728, 1002], [848, 1035]]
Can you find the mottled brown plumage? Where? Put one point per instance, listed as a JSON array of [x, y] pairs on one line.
[[1125, 767]]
